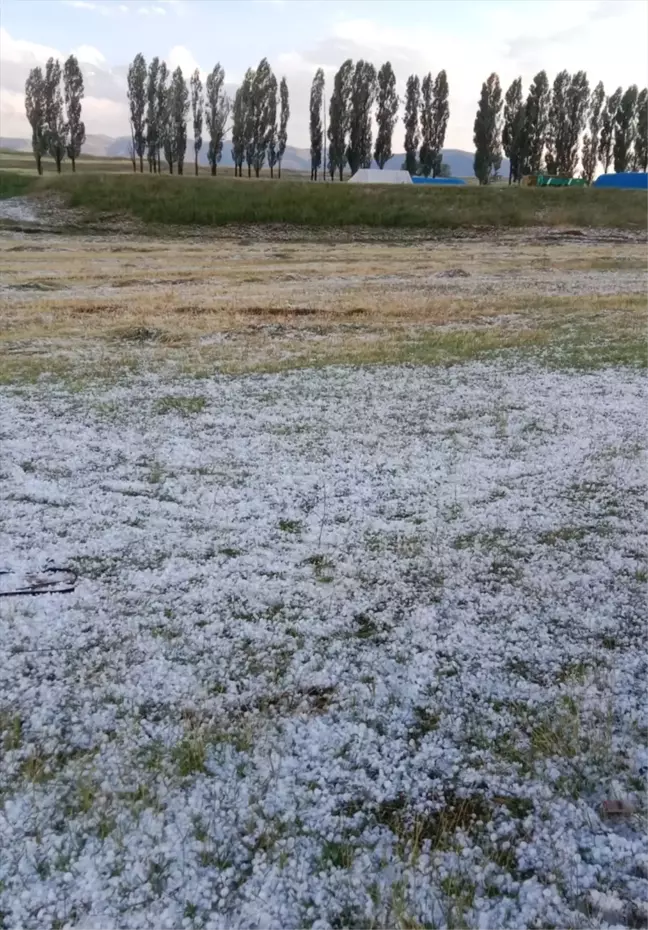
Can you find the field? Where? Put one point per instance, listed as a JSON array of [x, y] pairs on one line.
[[161, 201], [359, 519]]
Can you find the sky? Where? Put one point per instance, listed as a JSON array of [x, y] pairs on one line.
[[469, 38]]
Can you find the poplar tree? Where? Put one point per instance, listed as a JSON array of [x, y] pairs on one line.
[[73, 91], [197, 107], [386, 115], [35, 110], [284, 116], [137, 77], [412, 137], [315, 122], [217, 108], [487, 132], [55, 128]]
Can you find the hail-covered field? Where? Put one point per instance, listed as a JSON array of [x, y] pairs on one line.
[[344, 642], [351, 645]]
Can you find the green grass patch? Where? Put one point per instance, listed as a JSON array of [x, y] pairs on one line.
[[13, 184], [163, 200], [183, 405]]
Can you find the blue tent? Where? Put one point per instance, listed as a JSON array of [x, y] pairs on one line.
[[630, 180], [438, 181]]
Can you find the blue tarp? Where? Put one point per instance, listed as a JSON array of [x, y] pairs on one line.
[[440, 181], [630, 180]]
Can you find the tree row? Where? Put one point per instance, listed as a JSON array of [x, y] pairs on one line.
[[556, 126], [356, 89], [551, 130], [160, 106], [57, 129]]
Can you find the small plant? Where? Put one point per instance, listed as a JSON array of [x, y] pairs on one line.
[[290, 526], [190, 754], [185, 406]]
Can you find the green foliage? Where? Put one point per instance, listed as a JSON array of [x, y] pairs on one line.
[[487, 137], [197, 109], [137, 87], [162, 109], [640, 162], [412, 137], [513, 139], [273, 134], [35, 110], [284, 116], [388, 102], [426, 155], [315, 125], [55, 127], [625, 129], [217, 109], [178, 108], [338, 118], [361, 99], [74, 93], [608, 119], [590, 159], [536, 122], [152, 128], [567, 118], [261, 115], [440, 117]]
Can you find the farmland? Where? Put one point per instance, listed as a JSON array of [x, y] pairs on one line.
[[359, 520], [160, 201]]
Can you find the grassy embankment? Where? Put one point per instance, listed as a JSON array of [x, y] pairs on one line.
[[218, 202]]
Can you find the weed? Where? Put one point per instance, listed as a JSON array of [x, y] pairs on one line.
[[185, 406], [290, 526], [563, 534], [12, 730], [230, 552], [190, 754], [338, 855]]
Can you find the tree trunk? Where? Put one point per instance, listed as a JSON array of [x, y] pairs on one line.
[[272, 171], [170, 167], [141, 158], [196, 164], [341, 169], [39, 163], [73, 165], [213, 170], [58, 163], [249, 171], [180, 167], [279, 172]]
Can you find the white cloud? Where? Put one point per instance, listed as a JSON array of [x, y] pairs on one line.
[[89, 54], [181, 57], [22, 51], [104, 9]]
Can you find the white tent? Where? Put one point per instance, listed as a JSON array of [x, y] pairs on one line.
[[376, 176]]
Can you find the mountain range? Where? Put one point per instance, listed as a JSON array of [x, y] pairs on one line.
[[296, 159]]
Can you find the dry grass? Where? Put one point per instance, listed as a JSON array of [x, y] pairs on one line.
[[237, 306]]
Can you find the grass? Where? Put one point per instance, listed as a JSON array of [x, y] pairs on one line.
[[13, 184], [164, 200]]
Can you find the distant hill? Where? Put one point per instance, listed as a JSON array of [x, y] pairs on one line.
[[295, 159]]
